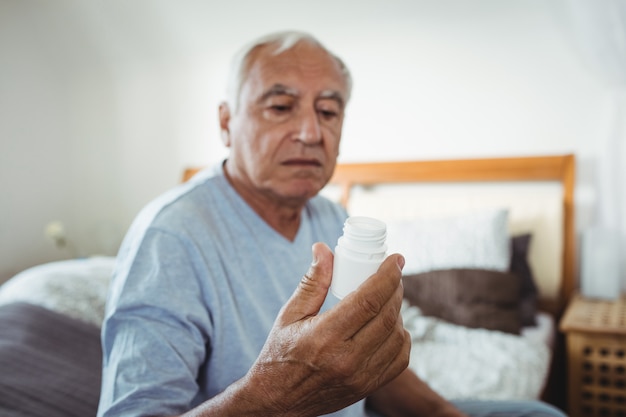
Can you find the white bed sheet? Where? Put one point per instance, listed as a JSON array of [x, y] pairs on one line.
[[543, 332], [463, 363]]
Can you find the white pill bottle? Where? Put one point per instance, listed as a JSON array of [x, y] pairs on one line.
[[358, 254]]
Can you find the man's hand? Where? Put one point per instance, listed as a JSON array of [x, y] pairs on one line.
[[314, 364]]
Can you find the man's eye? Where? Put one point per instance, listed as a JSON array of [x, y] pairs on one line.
[[328, 114], [280, 108]]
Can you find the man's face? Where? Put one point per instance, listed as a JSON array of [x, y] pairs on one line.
[[284, 136]]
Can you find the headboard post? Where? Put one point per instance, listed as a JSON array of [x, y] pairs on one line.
[[568, 179]]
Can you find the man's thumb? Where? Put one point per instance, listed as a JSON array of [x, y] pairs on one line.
[[313, 287]]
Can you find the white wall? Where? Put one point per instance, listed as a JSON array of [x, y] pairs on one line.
[[103, 103]]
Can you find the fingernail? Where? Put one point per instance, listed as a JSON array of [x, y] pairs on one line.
[[315, 259], [401, 261]]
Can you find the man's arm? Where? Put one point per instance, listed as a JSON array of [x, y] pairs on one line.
[[408, 396], [315, 364]]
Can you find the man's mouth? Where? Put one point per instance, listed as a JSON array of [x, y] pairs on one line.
[[302, 162]]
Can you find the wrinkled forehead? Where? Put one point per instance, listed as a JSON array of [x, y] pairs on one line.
[[302, 64]]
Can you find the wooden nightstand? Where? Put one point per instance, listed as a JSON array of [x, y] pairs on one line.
[[596, 357]]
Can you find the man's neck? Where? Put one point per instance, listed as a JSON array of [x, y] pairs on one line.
[[282, 216]]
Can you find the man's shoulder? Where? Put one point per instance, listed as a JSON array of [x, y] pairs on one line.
[[180, 202]]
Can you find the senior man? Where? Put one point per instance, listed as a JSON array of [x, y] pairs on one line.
[[216, 308]]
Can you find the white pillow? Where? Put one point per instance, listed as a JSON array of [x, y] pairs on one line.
[[477, 239], [76, 287]]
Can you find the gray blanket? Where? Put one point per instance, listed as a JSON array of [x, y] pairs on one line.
[[50, 364]]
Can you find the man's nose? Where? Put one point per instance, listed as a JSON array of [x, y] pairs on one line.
[[308, 129]]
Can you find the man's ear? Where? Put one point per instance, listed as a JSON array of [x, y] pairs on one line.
[[224, 122]]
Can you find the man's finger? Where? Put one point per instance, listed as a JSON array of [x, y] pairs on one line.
[[359, 307], [311, 292]]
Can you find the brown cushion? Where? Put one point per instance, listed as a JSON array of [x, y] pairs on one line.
[[520, 245], [473, 298]]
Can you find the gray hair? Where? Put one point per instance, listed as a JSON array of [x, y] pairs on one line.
[[283, 41]]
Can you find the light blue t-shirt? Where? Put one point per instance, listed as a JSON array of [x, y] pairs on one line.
[[199, 280]]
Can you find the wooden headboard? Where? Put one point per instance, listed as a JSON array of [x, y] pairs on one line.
[[560, 169]]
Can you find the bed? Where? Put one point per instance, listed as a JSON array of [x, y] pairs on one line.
[[490, 251]]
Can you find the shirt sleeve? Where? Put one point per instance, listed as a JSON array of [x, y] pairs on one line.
[[156, 333]]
